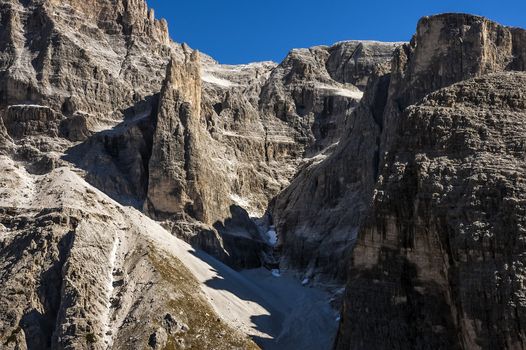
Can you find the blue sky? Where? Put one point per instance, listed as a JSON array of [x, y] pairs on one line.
[[242, 31]]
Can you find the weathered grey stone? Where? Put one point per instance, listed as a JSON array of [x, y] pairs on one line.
[[30, 120]]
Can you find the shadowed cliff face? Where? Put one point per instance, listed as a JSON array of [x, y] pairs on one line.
[[424, 182], [319, 215], [441, 253]]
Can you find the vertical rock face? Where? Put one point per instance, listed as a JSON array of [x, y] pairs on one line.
[[447, 49], [172, 163], [135, 17], [322, 210], [439, 260], [355, 62], [184, 176], [438, 257], [318, 215]]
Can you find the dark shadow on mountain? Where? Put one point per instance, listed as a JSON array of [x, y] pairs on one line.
[[393, 300], [262, 323], [37, 333], [116, 161], [236, 241]]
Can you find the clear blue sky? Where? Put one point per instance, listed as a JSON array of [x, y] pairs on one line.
[[242, 31]]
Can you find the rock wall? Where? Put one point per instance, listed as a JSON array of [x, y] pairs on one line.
[[417, 278], [327, 202], [82, 83], [93, 56], [318, 215], [439, 257]]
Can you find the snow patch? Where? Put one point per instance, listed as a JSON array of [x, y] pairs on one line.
[[340, 91], [393, 43], [227, 68], [209, 78], [272, 236], [27, 105]]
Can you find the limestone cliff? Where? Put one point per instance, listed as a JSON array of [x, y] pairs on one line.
[[173, 171], [438, 262], [319, 215], [425, 180]]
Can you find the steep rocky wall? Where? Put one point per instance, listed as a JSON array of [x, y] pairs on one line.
[[183, 175], [318, 215], [97, 69], [439, 260], [326, 203], [92, 56], [437, 254], [355, 62]]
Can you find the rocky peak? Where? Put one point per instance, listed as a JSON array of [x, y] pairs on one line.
[[184, 79], [133, 16], [314, 90], [176, 126], [449, 48], [446, 49], [74, 56]]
